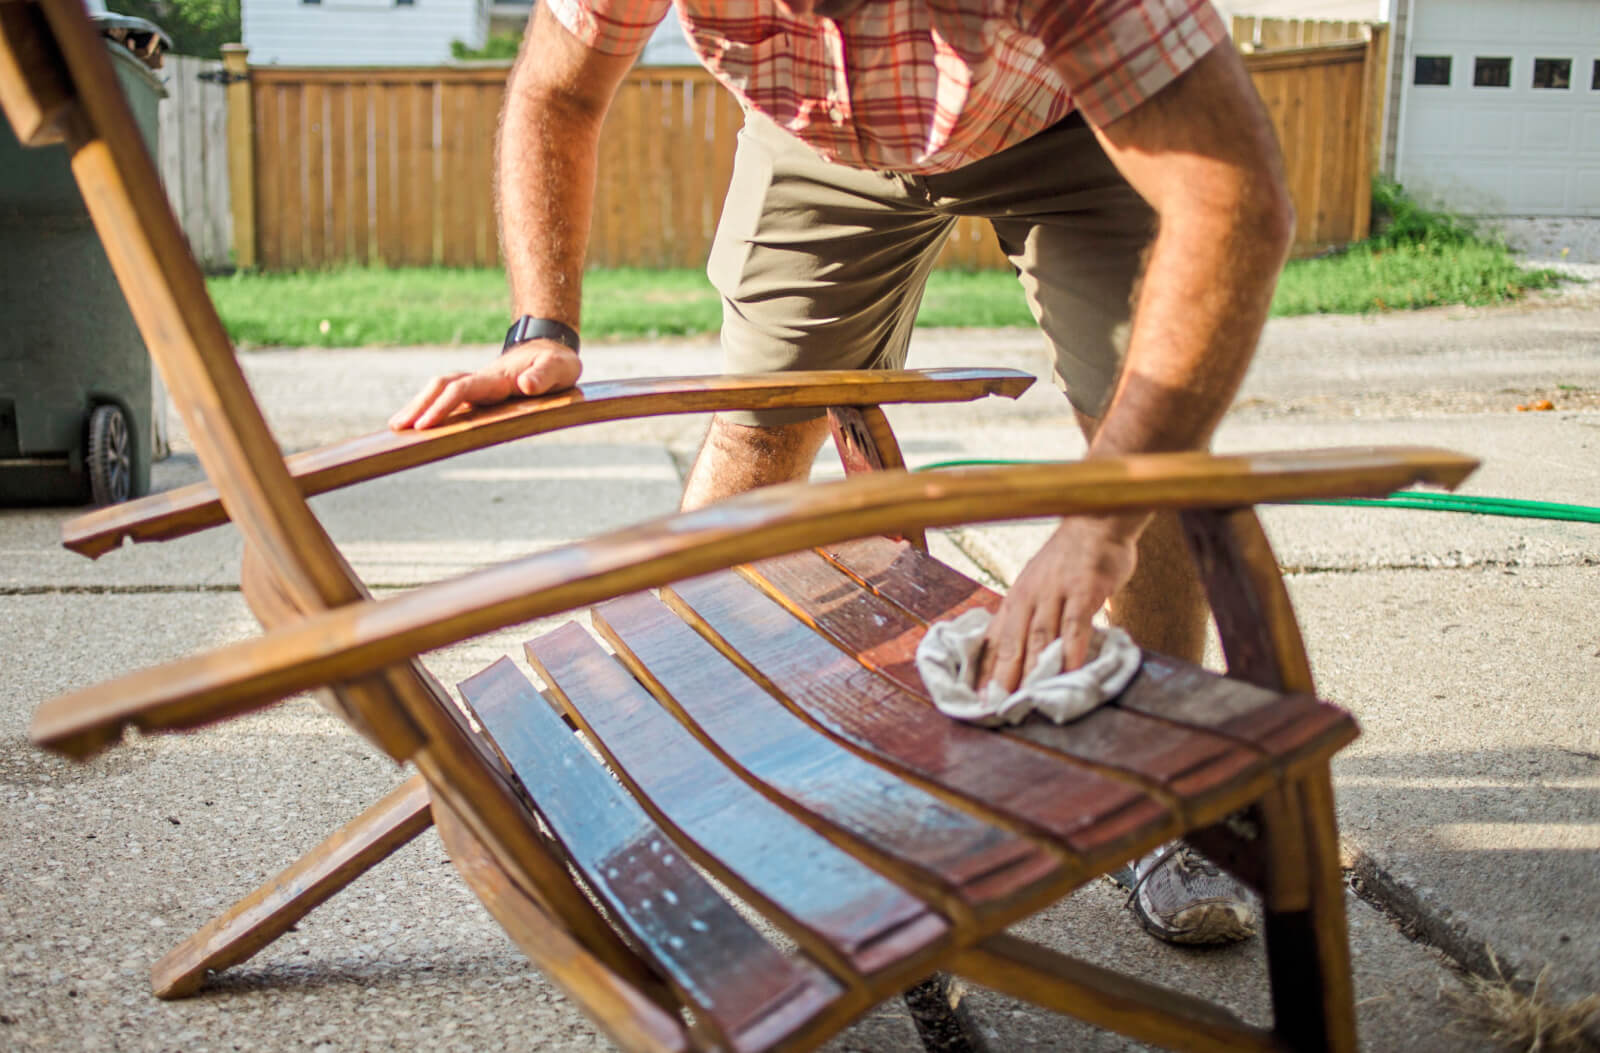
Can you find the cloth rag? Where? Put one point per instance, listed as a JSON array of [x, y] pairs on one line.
[[947, 658]]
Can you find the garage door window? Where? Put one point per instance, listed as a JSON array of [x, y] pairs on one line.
[[1491, 72], [1434, 70], [1554, 73]]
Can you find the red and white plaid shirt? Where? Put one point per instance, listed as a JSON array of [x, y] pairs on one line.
[[923, 86]]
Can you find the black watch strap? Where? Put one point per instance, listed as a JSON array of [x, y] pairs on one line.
[[530, 328]]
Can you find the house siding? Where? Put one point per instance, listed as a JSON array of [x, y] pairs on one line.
[[360, 32]]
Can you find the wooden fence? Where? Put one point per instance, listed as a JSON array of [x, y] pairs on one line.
[[395, 165], [194, 155], [1271, 34], [1326, 103]]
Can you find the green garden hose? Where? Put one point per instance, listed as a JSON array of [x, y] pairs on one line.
[[1432, 502]]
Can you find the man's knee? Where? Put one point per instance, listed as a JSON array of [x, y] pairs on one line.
[[736, 457]]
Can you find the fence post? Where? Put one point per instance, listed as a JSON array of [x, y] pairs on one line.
[[1373, 75], [241, 153]]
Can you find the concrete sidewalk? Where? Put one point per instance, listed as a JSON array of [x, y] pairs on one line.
[[1466, 646]]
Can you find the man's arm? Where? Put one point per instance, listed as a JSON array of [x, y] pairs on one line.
[[546, 153], [1203, 153]]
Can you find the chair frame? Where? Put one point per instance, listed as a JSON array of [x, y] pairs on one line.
[[326, 633]]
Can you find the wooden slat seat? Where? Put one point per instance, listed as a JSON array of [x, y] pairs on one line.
[[983, 865], [852, 754], [737, 981], [833, 904]]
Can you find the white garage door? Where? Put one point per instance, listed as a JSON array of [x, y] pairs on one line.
[[1501, 110]]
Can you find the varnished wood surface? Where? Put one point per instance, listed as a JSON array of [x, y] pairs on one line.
[[835, 906], [632, 1020], [359, 638], [1308, 945], [1221, 722], [917, 832], [176, 513], [1256, 623], [729, 973], [865, 442], [1114, 1001], [274, 908], [1202, 775], [34, 91], [1087, 812]]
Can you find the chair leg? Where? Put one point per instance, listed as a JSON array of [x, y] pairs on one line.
[[1307, 937], [271, 910], [866, 443]]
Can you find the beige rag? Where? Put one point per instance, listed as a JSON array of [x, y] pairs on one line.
[[947, 658]]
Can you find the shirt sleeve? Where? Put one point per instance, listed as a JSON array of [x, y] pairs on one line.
[[616, 27], [1115, 54]]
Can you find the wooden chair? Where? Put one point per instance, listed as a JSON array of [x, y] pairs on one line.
[[765, 723]]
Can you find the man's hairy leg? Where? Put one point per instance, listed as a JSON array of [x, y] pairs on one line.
[[1163, 605], [738, 457]]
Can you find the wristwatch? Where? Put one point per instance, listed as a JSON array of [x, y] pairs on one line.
[[530, 328]]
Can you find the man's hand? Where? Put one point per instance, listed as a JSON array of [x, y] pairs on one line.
[[535, 368], [1057, 594]]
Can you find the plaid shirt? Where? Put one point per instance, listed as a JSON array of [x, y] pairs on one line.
[[922, 86]]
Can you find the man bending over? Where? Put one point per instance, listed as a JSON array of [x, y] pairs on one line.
[[1129, 171]]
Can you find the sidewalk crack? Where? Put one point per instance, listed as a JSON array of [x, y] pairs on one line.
[[112, 590]]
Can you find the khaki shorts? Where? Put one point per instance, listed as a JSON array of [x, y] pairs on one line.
[[822, 266]]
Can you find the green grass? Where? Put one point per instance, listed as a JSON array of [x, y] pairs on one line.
[[357, 307], [1369, 278], [1420, 259]]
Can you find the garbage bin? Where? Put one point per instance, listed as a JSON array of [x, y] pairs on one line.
[[76, 405]]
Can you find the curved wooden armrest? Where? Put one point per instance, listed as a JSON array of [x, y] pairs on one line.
[[360, 638], [190, 509]]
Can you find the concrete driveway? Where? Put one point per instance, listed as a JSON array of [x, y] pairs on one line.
[[1467, 646]]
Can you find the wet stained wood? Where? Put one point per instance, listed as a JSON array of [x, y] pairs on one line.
[[729, 973], [912, 580], [177, 513], [1086, 811], [981, 863], [1207, 775], [834, 905], [1287, 727]]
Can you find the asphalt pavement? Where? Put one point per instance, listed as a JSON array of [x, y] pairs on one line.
[[1467, 647]]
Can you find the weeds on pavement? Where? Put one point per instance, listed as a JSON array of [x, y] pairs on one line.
[[1527, 1019]]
